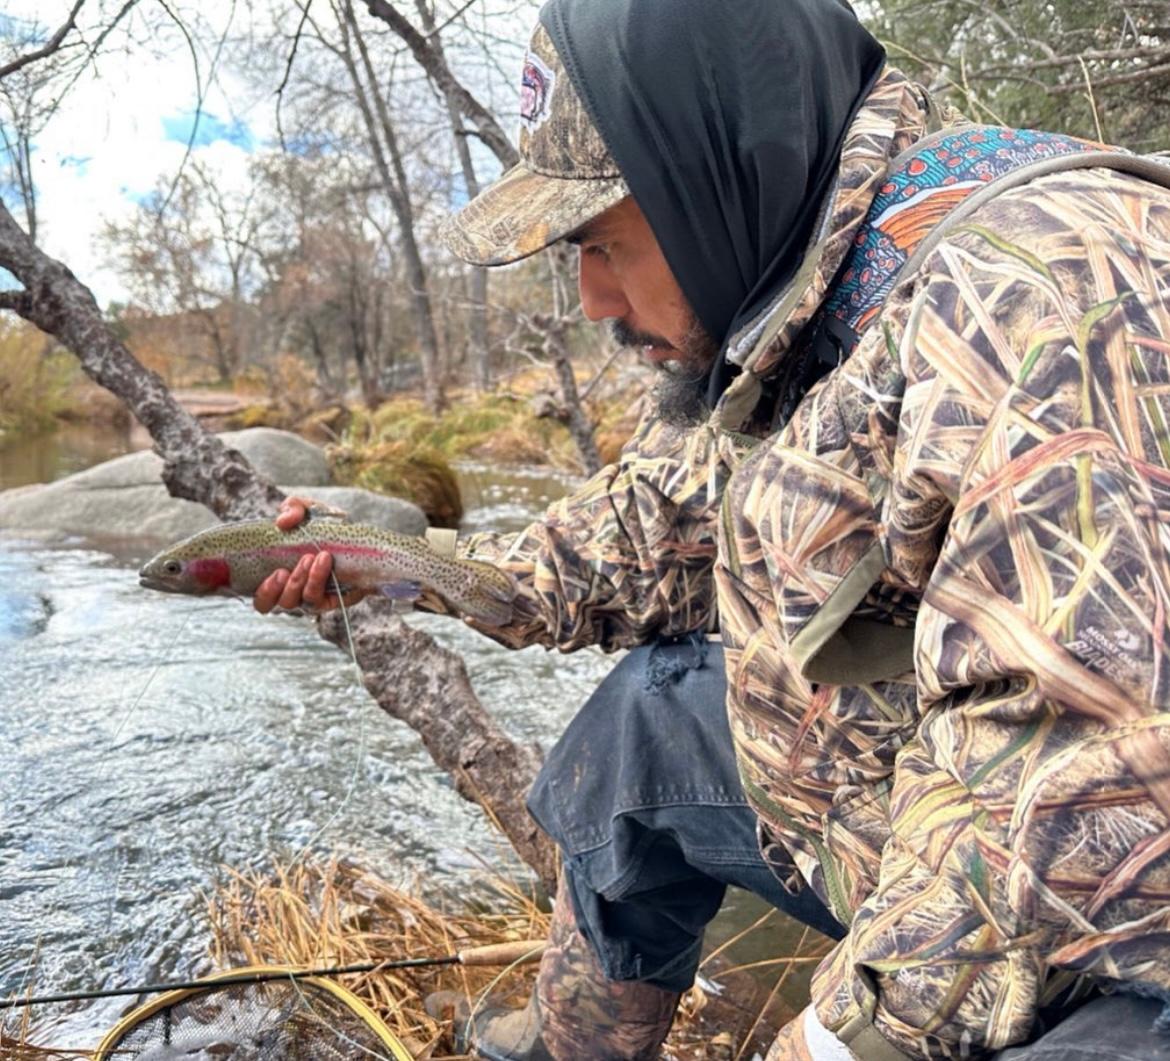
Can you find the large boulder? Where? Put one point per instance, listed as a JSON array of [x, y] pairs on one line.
[[124, 498], [281, 455]]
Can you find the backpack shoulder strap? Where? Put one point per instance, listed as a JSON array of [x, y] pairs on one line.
[[935, 185]]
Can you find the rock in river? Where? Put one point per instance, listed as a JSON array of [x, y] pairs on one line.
[[124, 498]]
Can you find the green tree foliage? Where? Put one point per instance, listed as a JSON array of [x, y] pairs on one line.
[[1095, 70]]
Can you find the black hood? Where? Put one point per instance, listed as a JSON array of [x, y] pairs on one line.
[[726, 118]]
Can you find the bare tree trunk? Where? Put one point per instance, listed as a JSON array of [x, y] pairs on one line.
[[324, 376], [382, 131], [481, 351], [557, 347], [477, 323], [433, 62], [409, 674]]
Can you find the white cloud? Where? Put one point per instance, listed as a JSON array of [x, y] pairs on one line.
[[108, 146]]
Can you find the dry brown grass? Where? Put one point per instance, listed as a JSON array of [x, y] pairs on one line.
[[338, 913], [323, 915]]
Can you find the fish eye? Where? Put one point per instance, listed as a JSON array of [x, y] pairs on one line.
[[173, 567]]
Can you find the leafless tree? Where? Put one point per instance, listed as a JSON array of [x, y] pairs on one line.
[[352, 49]]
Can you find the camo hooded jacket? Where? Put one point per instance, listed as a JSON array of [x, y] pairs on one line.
[[943, 588]]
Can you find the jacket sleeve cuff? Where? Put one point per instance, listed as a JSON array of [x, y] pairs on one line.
[[441, 540]]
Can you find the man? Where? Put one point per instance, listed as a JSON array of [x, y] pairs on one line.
[[940, 565]]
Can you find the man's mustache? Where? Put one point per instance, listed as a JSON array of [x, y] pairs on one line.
[[624, 335]]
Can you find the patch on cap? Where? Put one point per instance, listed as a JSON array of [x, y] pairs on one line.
[[537, 83]]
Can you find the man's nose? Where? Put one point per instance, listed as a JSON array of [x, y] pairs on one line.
[[602, 297]]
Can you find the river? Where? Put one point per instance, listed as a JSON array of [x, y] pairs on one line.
[[152, 740]]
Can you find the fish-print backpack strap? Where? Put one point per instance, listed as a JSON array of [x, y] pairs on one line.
[[932, 186]]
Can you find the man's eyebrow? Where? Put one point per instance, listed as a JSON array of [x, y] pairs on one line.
[[586, 231]]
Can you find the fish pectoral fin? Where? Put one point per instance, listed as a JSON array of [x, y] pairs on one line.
[[503, 589], [486, 609], [401, 590]]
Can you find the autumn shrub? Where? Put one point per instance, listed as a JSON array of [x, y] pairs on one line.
[[35, 381], [493, 426], [402, 469], [261, 414]]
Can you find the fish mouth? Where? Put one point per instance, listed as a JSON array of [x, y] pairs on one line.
[[147, 582]]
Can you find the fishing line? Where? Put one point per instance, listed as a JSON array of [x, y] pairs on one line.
[[359, 759], [153, 674], [226, 981]]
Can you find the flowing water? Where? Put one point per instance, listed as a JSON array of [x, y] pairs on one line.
[[151, 740]]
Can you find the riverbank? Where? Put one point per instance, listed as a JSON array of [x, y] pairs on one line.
[[400, 449]]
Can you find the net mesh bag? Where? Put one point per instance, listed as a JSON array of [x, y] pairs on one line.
[[310, 1019]]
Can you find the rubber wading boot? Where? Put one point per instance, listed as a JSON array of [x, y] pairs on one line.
[[574, 1014]]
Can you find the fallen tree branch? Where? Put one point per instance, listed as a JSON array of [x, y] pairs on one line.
[[196, 465]]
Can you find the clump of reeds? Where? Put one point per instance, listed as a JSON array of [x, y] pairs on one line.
[[401, 469], [340, 914]]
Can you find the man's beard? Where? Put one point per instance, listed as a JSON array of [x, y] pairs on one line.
[[680, 394]]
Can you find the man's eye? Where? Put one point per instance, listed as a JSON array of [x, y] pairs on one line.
[[596, 250]]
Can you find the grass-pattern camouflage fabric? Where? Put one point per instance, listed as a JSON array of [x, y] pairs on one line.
[[626, 557], [990, 473]]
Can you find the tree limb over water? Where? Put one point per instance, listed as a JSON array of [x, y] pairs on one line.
[[411, 677]]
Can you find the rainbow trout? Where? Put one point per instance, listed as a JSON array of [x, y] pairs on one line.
[[234, 558]]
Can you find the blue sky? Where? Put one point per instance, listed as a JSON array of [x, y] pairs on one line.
[[210, 129]]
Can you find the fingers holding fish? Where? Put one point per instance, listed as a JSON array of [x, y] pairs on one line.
[[306, 584], [293, 511], [268, 593]]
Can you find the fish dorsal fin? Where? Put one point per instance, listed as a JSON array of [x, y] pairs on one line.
[[321, 511]]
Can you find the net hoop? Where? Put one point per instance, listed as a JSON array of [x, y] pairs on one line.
[[375, 1023]]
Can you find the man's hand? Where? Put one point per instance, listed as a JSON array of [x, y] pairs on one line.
[[307, 584]]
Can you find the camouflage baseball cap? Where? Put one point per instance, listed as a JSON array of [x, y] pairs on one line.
[[565, 178]]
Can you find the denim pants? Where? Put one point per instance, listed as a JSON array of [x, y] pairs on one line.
[[642, 796]]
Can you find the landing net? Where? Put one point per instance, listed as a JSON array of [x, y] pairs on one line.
[[313, 1019]]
